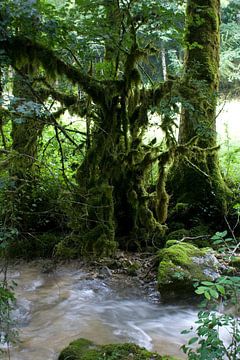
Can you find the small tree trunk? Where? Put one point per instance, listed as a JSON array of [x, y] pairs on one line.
[[164, 63], [3, 140]]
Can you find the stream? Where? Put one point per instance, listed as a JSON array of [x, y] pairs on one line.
[[56, 308]]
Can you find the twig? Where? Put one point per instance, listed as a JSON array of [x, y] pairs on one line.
[[234, 237], [194, 237]]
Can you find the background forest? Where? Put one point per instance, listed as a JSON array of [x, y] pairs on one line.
[[110, 140]]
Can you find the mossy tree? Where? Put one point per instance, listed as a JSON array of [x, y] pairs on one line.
[[197, 181], [111, 194]]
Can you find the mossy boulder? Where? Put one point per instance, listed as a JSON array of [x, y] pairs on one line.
[[182, 264], [83, 349]]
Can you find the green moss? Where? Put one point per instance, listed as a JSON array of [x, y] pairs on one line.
[[235, 262], [83, 349], [166, 270], [181, 208], [180, 253], [105, 245], [76, 349], [171, 242], [181, 264], [199, 230]]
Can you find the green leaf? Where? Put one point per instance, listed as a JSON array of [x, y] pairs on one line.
[[207, 295], [216, 242], [207, 283], [214, 293], [229, 240], [193, 340], [200, 290], [221, 289], [184, 349], [222, 234]]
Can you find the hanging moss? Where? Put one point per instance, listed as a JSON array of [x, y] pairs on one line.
[[22, 51]]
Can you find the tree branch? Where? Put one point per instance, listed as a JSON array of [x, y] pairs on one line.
[[24, 50]]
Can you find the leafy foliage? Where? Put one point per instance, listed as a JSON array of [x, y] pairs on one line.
[[8, 334], [230, 44], [207, 341]]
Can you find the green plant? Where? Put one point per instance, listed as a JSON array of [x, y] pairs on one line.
[[8, 332], [227, 246], [7, 236], [210, 290], [223, 243], [207, 342]]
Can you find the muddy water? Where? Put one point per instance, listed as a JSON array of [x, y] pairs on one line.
[[54, 309]]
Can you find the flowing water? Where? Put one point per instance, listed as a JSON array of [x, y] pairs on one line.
[[54, 309]]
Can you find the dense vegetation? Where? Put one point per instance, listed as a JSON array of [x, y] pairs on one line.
[[94, 177], [82, 83]]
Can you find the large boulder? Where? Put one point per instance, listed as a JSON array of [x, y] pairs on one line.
[[83, 349], [181, 265]]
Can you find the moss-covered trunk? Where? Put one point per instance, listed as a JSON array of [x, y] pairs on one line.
[[112, 194], [197, 182], [26, 129], [23, 167]]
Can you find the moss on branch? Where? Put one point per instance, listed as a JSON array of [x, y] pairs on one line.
[[23, 50]]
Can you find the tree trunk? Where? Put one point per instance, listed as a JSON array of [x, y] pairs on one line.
[[23, 169], [112, 177], [164, 62], [114, 18], [197, 181], [3, 140], [25, 131], [112, 180]]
